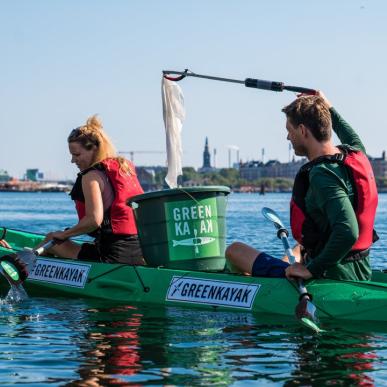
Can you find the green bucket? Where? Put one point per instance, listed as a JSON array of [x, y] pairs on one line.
[[183, 228]]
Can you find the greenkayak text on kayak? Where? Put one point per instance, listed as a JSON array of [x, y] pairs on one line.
[[61, 273], [212, 292]]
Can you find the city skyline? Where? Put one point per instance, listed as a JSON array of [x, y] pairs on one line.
[[65, 61], [131, 155], [208, 164]]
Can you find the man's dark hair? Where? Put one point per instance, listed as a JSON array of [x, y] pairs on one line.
[[314, 113]]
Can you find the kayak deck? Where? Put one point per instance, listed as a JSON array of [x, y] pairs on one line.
[[53, 277]]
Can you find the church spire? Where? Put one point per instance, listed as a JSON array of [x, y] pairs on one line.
[[206, 156]]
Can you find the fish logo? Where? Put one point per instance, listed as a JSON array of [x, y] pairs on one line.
[[196, 241]]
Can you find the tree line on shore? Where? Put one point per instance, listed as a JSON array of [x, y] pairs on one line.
[[230, 177]]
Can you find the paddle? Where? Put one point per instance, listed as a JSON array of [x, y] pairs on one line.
[[305, 310], [17, 266], [248, 82]]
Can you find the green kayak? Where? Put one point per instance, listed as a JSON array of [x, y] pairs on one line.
[[53, 277]]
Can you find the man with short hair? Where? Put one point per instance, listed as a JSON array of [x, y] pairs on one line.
[[334, 200]]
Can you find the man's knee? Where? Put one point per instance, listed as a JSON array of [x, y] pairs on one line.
[[234, 249]]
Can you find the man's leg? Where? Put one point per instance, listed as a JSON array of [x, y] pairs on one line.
[[249, 261], [241, 257], [296, 252]]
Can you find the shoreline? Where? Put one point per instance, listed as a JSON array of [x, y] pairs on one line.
[[233, 190]]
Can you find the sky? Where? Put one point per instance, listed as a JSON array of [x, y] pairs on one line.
[[62, 61]]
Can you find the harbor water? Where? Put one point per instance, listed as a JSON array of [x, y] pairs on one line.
[[60, 342]]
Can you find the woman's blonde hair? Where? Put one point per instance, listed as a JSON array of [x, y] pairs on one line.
[[92, 134]]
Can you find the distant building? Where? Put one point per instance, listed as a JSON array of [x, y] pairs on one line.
[[147, 177], [379, 165], [253, 170], [34, 175], [206, 159], [4, 176]]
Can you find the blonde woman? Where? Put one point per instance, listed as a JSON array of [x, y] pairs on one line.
[[101, 190]]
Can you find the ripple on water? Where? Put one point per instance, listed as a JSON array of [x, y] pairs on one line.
[[70, 342]]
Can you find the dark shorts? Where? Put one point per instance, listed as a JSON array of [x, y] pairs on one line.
[[267, 266], [113, 249]]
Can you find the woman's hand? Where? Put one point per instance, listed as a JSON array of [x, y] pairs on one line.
[[4, 243], [58, 235]]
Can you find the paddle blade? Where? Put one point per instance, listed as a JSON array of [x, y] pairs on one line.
[[305, 309], [311, 325], [271, 215], [14, 268], [305, 312]]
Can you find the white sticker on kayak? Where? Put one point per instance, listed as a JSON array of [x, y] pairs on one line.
[[212, 292], [60, 272]]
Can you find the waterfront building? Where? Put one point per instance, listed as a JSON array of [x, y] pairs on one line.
[[379, 165], [4, 176], [253, 170], [34, 174], [147, 176]]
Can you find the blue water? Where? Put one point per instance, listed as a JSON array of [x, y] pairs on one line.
[[50, 342]]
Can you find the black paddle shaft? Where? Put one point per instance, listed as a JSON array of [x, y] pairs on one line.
[[248, 82], [276, 86]]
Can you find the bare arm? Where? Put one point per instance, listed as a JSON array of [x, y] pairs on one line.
[[92, 186], [4, 243]]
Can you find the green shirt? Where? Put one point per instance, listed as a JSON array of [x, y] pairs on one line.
[[329, 202]]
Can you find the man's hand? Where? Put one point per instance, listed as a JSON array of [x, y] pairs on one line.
[[322, 95], [298, 271]]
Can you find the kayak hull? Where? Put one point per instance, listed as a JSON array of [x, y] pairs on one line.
[[53, 277]]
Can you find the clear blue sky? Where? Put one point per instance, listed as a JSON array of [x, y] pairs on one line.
[[62, 61]]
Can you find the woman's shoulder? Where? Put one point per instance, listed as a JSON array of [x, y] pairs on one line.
[[94, 175]]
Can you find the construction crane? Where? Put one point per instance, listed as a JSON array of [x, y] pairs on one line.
[[132, 153]]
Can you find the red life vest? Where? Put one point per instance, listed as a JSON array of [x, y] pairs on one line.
[[306, 232], [119, 217]]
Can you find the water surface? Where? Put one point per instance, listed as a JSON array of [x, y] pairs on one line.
[[46, 342]]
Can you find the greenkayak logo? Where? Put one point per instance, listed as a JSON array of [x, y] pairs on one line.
[[192, 228], [212, 292], [60, 272]]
